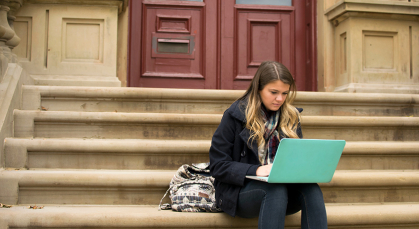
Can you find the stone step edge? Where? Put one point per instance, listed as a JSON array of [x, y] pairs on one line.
[[141, 216], [161, 178], [16, 150], [36, 92], [28, 117], [144, 146]]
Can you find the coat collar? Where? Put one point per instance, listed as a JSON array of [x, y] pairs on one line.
[[238, 111]]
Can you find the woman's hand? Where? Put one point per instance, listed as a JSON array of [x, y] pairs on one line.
[[264, 170]]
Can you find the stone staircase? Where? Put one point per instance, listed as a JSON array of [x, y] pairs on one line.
[[103, 157]]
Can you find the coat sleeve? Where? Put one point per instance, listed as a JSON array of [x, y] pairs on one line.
[[224, 166]]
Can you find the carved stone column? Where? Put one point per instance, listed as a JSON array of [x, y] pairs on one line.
[[6, 33], [12, 43]]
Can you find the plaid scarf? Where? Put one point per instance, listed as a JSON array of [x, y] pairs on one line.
[[267, 152]]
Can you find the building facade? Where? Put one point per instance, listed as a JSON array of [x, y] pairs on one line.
[[329, 45]]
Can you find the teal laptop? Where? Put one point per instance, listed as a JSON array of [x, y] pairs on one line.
[[304, 161]]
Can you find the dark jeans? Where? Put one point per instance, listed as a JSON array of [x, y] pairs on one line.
[[271, 202]]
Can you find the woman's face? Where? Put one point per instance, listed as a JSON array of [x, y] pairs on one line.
[[273, 95]]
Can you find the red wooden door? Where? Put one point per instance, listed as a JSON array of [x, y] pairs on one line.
[[172, 44], [217, 43]]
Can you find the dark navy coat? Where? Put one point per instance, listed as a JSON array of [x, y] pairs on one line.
[[233, 156]]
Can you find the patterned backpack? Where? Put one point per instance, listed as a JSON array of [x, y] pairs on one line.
[[191, 190]]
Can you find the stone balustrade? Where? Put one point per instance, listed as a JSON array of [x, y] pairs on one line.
[[8, 37]]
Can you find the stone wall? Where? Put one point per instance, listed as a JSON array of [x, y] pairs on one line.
[[69, 43], [368, 46], [363, 46]]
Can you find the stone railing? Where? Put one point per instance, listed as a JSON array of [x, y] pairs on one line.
[[8, 37]]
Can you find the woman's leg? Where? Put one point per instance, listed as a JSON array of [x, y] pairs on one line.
[[268, 201], [310, 198]]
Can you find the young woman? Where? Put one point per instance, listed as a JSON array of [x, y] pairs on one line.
[[245, 143]]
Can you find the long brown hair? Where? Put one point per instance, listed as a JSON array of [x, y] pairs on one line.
[[268, 72]]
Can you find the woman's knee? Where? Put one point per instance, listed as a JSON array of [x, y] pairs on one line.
[[276, 189], [309, 194], [308, 189], [313, 189], [268, 188], [256, 195]]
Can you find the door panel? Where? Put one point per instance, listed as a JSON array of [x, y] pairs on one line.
[[173, 38], [262, 33], [218, 43]]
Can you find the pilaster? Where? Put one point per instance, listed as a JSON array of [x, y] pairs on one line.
[[375, 46], [69, 42]]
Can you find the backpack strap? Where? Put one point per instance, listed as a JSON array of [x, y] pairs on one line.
[[166, 206]]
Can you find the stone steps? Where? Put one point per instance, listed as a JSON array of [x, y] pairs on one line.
[[60, 124], [339, 216], [104, 153], [158, 100], [147, 187], [103, 157], [128, 154]]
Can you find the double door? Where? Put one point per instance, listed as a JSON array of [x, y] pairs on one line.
[[218, 44]]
